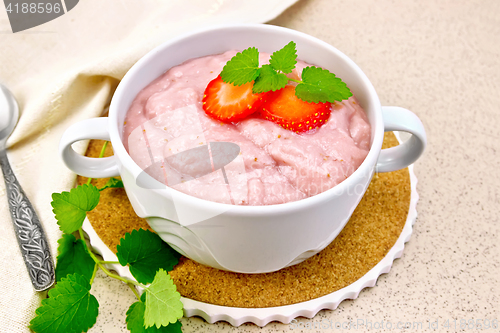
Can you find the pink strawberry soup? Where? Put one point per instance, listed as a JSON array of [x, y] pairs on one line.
[[274, 165]]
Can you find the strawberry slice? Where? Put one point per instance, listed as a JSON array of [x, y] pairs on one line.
[[228, 103], [287, 110]]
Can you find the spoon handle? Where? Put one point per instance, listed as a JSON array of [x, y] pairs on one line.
[[30, 235]]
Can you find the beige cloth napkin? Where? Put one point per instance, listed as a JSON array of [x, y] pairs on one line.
[[64, 71]]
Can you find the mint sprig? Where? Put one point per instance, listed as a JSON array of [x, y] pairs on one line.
[[70, 306], [317, 84]]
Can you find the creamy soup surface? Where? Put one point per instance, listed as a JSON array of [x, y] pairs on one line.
[[274, 165]]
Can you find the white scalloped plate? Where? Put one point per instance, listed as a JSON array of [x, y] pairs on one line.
[[284, 314]]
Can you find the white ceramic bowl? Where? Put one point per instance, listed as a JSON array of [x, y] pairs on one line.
[[247, 239]]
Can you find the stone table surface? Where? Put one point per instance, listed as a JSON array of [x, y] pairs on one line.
[[439, 59]]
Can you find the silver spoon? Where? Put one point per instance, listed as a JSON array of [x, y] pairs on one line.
[[30, 235]]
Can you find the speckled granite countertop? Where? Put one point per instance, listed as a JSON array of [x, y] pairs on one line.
[[439, 59]]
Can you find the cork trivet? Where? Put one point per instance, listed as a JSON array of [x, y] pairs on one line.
[[370, 233]]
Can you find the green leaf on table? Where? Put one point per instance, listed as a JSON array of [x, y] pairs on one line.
[[319, 85], [242, 68], [135, 320], [145, 252], [112, 183], [71, 207], [73, 258], [269, 80], [69, 308], [284, 60], [163, 302]]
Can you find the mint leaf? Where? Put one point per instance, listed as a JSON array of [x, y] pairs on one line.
[[269, 80], [145, 252], [242, 68], [135, 318], [112, 183], [135, 321], [163, 302], [69, 308], [73, 258], [71, 207], [319, 85], [284, 60]]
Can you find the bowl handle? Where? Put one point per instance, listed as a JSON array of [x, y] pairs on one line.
[[395, 158], [94, 128]]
